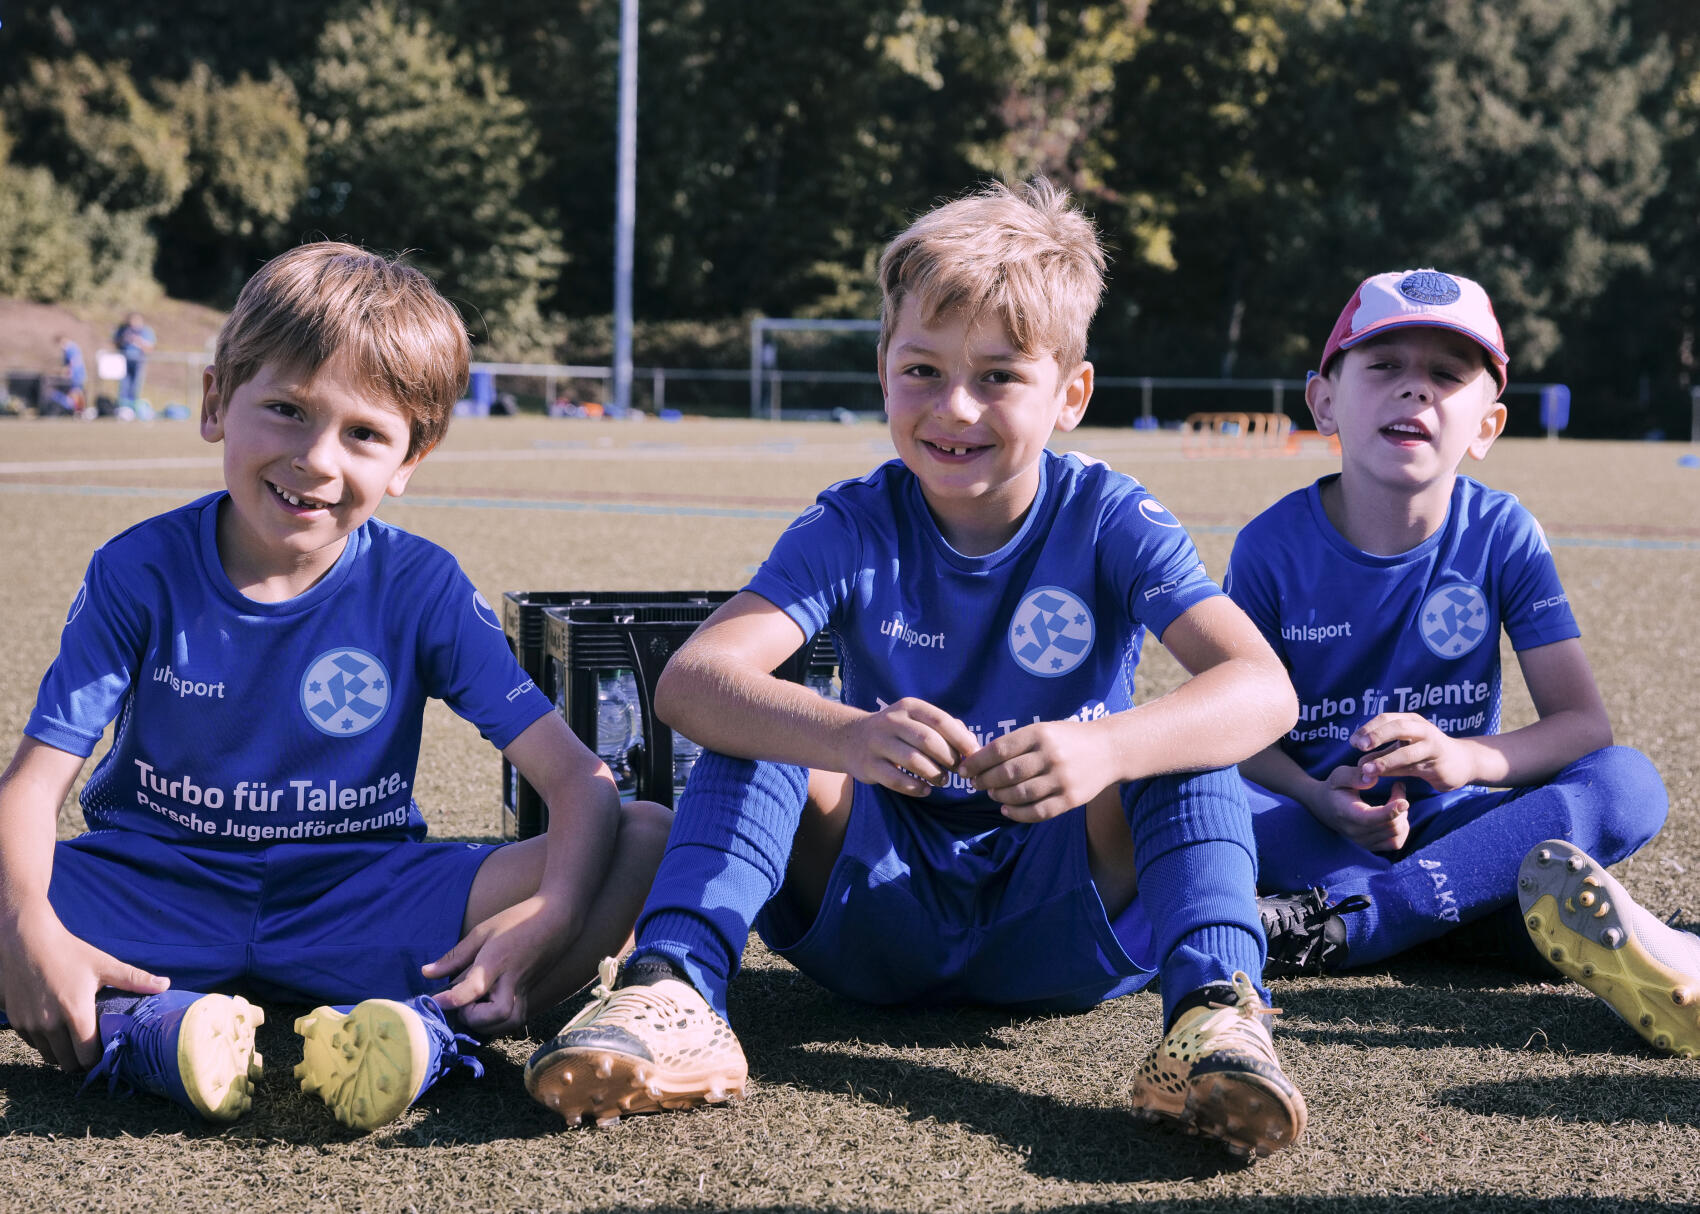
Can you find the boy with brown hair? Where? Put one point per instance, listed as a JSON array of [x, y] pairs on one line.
[[986, 817], [267, 652]]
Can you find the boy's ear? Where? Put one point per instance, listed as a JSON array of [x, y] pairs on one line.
[[1319, 398], [212, 408], [403, 474], [1493, 425], [1077, 392]]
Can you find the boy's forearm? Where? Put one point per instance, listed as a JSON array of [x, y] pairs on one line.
[[1275, 770], [1219, 717], [1537, 751], [750, 714], [31, 791]]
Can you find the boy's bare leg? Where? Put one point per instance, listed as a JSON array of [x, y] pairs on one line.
[[820, 839], [1109, 851], [513, 873]]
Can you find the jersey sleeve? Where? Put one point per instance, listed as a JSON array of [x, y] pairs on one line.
[[813, 566], [1533, 609], [471, 668], [1250, 582], [100, 651], [1147, 550]]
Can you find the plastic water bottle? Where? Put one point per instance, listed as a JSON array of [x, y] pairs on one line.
[[618, 725], [685, 755]]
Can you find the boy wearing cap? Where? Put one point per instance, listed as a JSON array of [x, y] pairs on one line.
[[1384, 588]]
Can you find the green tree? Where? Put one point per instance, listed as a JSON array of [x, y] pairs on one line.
[[89, 125], [247, 177], [415, 143]]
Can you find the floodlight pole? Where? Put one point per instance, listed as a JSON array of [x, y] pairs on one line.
[[625, 207]]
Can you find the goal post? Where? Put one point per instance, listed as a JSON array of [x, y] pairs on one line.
[[760, 370]]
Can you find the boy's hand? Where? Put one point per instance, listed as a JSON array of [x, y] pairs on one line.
[[1339, 805], [1041, 770], [497, 965], [909, 747], [50, 979], [1404, 745]]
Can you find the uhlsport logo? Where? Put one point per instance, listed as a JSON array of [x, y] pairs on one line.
[[1051, 632], [1429, 287], [345, 692], [482, 609], [1454, 619]]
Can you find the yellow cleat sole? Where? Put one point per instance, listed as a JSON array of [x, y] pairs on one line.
[[216, 1058], [366, 1064], [1578, 916]]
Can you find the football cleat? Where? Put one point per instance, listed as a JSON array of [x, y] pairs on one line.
[[1215, 1073], [637, 1049], [1305, 934], [194, 1049], [1588, 926], [369, 1062]]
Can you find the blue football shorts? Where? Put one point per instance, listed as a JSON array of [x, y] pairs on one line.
[[916, 912], [295, 922]]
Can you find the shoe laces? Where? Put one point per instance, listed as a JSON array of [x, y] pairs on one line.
[[1245, 1028], [135, 1054], [628, 1006], [451, 1048]]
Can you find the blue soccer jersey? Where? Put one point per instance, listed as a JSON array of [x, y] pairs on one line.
[[1418, 632], [248, 723], [1046, 628]]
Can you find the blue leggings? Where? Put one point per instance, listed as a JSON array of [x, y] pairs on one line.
[[1461, 860]]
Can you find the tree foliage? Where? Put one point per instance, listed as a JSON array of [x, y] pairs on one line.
[[1247, 160]]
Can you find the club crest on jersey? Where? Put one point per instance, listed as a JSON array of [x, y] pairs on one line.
[[345, 692], [1154, 511], [482, 609], [1051, 632], [1453, 621]]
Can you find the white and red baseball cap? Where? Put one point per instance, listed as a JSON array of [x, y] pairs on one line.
[[1403, 299]]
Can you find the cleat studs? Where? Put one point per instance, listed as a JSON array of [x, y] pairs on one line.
[[1605, 909], [605, 1068], [1525, 883], [1611, 937], [1575, 864], [1544, 856], [1588, 971], [1681, 996], [1534, 922], [1556, 956], [1646, 1020], [1662, 1041], [1586, 897]]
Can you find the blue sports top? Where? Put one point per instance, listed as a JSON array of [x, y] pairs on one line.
[[1418, 632], [1046, 628], [247, 723]]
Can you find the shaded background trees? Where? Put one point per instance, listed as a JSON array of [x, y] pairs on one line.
[[1248, 161]]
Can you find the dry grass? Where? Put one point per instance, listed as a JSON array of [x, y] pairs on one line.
[[1430, 1086]]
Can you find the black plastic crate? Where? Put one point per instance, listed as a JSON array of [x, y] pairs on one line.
[[523, 624], [587, 646]]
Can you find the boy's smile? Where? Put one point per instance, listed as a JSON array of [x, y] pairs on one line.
[[306, 461], [970, 416]]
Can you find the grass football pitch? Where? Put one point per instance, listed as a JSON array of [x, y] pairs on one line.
[[1432, 1084]]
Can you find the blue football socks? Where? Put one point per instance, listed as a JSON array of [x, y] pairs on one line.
[[726, 856], [1193, 849], [1608, 803]]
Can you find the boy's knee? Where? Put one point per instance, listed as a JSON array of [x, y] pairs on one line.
[[644, 825], [1628, 785]]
